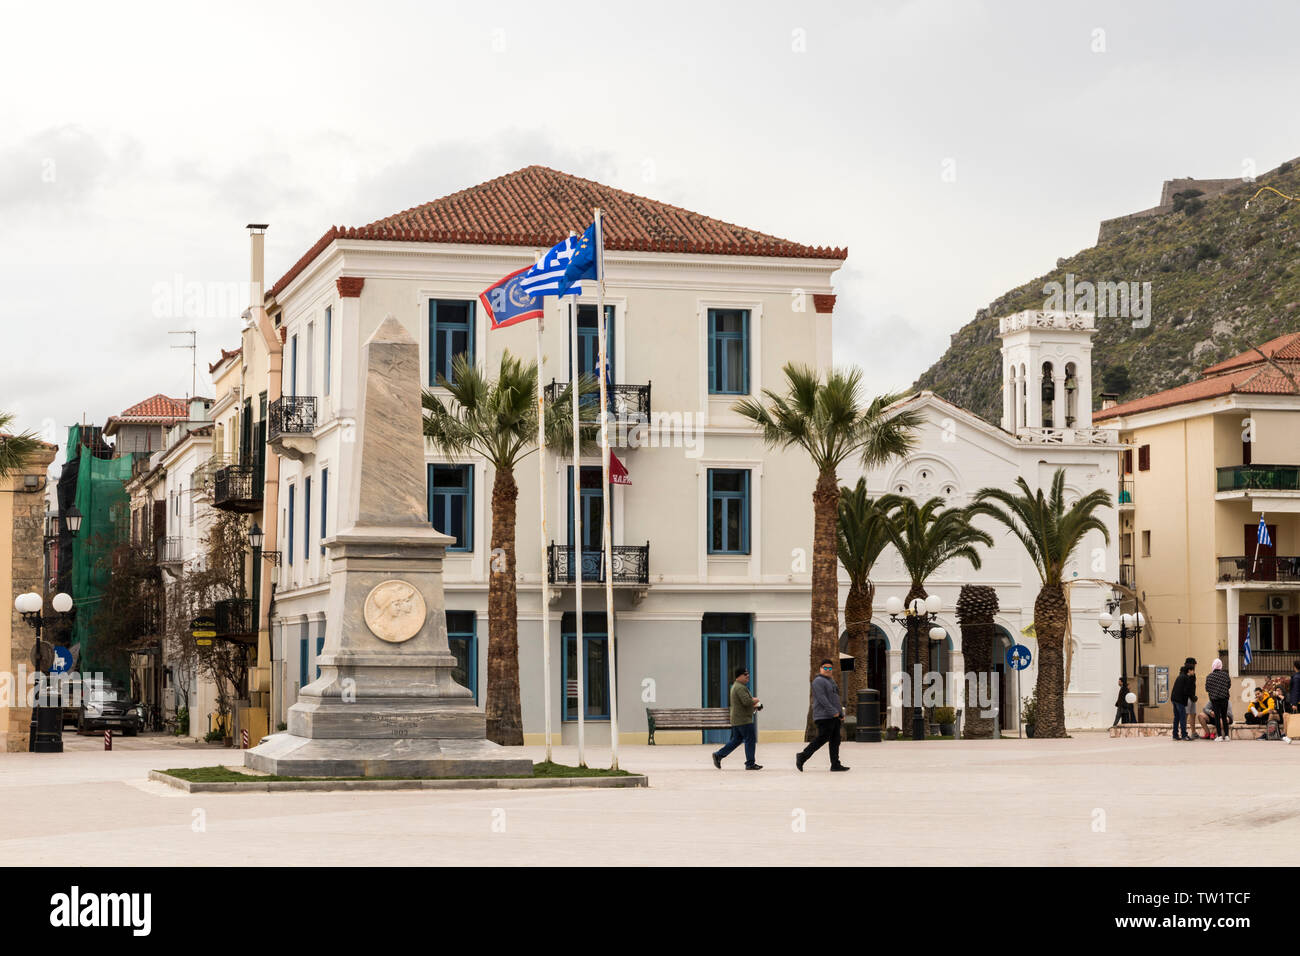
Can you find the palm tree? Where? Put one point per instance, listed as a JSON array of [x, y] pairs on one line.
[[15, 450], [927, 537], [862, 536], [829, 420], [976, 605], [1050, 531], [498, 420]]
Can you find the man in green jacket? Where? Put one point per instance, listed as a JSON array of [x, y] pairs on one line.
[[742, 722]]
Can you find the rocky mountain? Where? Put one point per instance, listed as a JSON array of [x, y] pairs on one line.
[[1224, 274]]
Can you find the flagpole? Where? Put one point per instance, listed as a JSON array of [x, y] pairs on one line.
[[605, 492], [575, 555], [541, 513]]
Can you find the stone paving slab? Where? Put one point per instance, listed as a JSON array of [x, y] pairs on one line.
[[1088, 800]]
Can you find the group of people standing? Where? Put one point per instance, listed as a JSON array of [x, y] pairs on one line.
[[828, 715], [1266, 709]]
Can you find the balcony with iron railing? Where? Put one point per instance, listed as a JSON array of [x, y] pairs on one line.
[[629, 407], [238, 488], [1246, 478], [631, 564], [1284, 569], [234, 617], [169, 550], [291, 415], [1267, 663], [1127, 576], [1125, 497]]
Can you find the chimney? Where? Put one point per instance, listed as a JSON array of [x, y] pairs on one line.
[[257, 272], [1109, 400]]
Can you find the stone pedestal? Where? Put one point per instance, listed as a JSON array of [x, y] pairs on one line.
[[386, 703]]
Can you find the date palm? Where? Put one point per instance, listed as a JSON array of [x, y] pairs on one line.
[[15, 450], [976, 606], [862, 536], [497, 419], [1050, 532], [928, 536], [832, 422]]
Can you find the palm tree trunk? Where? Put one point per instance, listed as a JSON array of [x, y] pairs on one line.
[[1049, 625], [504, 723], [825, 582], [857, 622]]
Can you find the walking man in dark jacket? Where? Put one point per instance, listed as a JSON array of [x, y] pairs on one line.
[[1218, 685], [1184, 687], [743, 730], [1293, 692], [828, 715]]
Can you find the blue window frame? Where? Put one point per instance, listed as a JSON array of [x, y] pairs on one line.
[[728, 511], [451, 503], [293, 367], [302, 659], [463, 641], [593, 521], [727, 642], [595, 666], [324, 506], [289, 548], [306, 519], [451, 332], [589, 340], [329, 339], [728, 351]]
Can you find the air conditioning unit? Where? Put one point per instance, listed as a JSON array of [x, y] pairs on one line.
[[1279, 603]]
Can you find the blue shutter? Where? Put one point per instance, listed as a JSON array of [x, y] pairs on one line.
[[289, 545], [306, 519], [329, 337], [324, 506]]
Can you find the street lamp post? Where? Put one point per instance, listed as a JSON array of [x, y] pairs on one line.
[[915, 616], [46, 732], [1129, 625]]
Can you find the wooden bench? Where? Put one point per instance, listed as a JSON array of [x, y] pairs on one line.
[[687, 718]]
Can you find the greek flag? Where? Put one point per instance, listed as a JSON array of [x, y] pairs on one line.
[[1262, 534], [585, 263], [1245, 646], [547, 276]]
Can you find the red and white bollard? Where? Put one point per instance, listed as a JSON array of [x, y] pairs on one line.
[[108, 739], [244, 736]]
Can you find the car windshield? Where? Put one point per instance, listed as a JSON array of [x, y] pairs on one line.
[[105, 693]]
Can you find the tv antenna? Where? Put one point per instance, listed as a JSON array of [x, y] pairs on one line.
[[194, 356]]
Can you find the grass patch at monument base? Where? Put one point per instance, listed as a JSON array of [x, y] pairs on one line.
[[545, 775]]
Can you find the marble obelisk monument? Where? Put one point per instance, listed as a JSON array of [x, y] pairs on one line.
[[386, 703]]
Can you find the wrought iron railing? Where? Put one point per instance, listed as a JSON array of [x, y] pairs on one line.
[[1125, 491], [291, 415], [169, 550], [1127, 576], [234, 617], [1264, 568], [1268, 662], [238, 488], [631, 564], [626, 403], [1259, 478]]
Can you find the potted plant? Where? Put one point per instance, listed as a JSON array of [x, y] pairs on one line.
[[891, 733], [1029, 712], [946, 718]]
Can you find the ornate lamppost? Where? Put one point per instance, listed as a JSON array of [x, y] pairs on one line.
[[916, 615], [1130, 625], [46, 733]]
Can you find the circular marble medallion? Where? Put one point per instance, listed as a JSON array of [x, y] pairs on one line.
[[395, 611]]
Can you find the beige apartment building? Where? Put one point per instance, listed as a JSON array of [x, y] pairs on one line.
[[1208, 460]]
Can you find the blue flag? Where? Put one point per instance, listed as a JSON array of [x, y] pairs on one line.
[[585, 263], [545, 278], [507, 303], [1245, 646], [1262, 534]]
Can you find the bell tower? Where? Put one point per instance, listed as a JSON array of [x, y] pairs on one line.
[[1046, 373]]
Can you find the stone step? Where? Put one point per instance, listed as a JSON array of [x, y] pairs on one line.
[[1237, 732]]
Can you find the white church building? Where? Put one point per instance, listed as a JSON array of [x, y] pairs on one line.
[[1046, 425]]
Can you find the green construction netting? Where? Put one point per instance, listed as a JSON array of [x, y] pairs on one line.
[[105, 522]]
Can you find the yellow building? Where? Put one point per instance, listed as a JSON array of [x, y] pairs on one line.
[[22, 535], [1208, 460]]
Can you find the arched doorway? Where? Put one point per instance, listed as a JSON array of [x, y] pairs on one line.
[[1007, 703], [876, 665]]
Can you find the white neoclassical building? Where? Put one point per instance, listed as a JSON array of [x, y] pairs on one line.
[[1046, 424]]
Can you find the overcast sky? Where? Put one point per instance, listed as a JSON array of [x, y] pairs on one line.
[[957, 148]]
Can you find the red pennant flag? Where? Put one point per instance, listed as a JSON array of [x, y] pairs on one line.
[[617, 472]]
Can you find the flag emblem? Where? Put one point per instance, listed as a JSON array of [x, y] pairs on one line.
[[507, 303], [547, 276]]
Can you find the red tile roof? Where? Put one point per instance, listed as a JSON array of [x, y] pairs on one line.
[[1282, 347], [157, 410], [537, 206], [225, 357], [1260, 378]]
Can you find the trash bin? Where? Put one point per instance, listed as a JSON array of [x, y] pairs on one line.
[[868, 730]]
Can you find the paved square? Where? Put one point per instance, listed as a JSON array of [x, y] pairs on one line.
[[1088, 800]]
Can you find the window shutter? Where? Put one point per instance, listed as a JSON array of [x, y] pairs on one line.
[[1144, 458]]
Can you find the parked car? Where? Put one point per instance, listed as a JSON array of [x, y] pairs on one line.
[[104, 707]]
